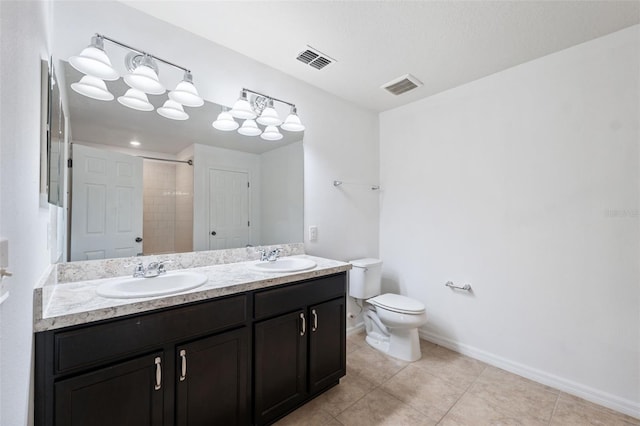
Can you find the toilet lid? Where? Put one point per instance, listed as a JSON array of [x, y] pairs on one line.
[[397, 303]]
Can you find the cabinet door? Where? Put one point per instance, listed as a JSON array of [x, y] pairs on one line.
[[327, 352], [128, 393], [213, 380], [280, 365]]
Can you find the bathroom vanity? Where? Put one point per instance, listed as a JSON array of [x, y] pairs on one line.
[[244, 353]]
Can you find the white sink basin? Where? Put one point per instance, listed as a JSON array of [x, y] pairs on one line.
[[284, 264], [169, 283]]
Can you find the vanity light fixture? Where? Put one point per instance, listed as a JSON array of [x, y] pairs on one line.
[[269, 116], [249, 128], [92, 87], [173, 110], [142, 78], [292, 123], [225, 121], [134, 143], [136, 99], [271, 133], [242, 108], [94, 61], [262, 107], [186, 93]]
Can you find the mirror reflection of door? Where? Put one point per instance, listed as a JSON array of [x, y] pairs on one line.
[[106, 212], [228, 209]]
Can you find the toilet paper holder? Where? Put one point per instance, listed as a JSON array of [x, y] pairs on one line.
[[450, 284]]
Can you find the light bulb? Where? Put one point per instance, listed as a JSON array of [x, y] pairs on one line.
[[225, 122], [94, 61], [249, 128], [269, 116], [136, 99], [293, 123], [173, 110], [92, 87], [145, 78], [242, 108], [271, 133], [186, 93]]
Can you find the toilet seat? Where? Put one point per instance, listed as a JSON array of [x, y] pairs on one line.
[[398, 303]]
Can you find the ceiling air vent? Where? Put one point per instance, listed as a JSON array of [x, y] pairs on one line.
[[315, 58], [402, 84]]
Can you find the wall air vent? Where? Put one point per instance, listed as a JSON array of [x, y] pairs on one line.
[[315, 58], [402, 84]]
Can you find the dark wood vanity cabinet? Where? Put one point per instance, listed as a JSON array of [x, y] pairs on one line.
[[212, 384], [301, 352], [244, 359], [149, 369], [121, 394]]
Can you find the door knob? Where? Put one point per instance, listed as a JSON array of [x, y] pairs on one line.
[[214, 233], [138, 239]]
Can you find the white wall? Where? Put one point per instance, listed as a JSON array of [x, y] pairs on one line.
[[525, 184], [341, 140], [282, 194], [24, 41]]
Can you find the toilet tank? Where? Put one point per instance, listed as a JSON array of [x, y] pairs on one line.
[[365, 278]]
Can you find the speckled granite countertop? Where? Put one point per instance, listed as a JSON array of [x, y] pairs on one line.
[[63, 304]]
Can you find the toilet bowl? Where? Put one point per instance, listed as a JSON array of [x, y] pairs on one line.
[[391, 320]]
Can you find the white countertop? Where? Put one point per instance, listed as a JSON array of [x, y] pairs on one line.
[[66, 304]]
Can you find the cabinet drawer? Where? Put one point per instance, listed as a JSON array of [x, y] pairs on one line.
[[291, 297], [93, 344]]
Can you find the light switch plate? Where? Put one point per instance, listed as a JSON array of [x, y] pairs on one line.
[[4, 253], [313, 233]]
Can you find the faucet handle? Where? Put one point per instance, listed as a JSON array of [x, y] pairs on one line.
[[273, 254], [263, 253], [138, 270], [161, 268]]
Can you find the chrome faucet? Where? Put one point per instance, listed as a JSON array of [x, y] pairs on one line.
[[152, 270], [269, 256]]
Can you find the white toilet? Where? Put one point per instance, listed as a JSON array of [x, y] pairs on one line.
[[391, 320]]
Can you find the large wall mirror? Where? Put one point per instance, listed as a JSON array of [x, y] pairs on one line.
[[53, 136], [142, 184]]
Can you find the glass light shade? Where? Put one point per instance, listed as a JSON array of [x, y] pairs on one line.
[[242, 108], [173, 110], [269, 116], [271, 133], [186, 94], [225, 122], [94, 61], [92, 87], [145, 78], [249, 128], [136, 99], [293, 123]]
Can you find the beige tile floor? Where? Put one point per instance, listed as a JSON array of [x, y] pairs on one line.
[[443, 388]]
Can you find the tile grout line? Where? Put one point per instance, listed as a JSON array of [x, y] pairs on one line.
[[555, 407], [462, 395]]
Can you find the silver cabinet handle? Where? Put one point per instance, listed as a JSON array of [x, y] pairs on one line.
[[183, 371], [158, 362], [304, 324], [315, 320]]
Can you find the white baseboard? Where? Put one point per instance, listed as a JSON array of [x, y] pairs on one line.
[[616, 403]]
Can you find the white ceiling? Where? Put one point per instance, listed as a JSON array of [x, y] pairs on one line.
[[443, 43]]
